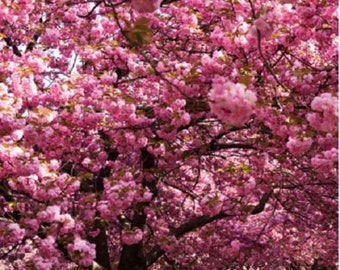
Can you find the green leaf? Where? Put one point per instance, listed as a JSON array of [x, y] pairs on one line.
[[142, 22], [140, 34], [186, 154], [245, 79], [244, 168], [247, 208]]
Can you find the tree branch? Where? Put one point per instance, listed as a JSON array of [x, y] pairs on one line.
[[167, 2], [199, 222], [187, 227], [260, 206], [14, 47], [221, 146], [196, 223]]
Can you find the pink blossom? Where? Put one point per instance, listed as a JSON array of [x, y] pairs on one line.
[[331, 154], [82, 251], [78, 101], [211, 205], [231, 102], [52, 213], [94, 233], [67, 222], [142, 141], [73, 186], [178, 104], [326, 161], [33, 223], [51, 36], [165, 113], [16, 232], [145, 6], [105, 211], [70, 16], [325, 117], [108, 79], [60, 92], [42, 115], [130, 237], [302, 33], [235, 245], [43, 265], [7, 150], [167, 135], [218, 37], [264, 27], [17, 134], [298, 147], [24, 84], [260, 161], [54, 164], [36, 62], [46, 247], [144, 197], [322, 164], [250, 185]]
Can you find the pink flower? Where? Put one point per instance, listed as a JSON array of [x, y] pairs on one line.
[[104, 210], [33, 223], [235, 245], [81, 251], [211, 205], [332, 154], [24, 84], [327, 161], [69, 17], [42, 265], [145, 6], [36, 62], [178, 104], [52, 213], [46, 247], [302, 33], [51, 37], [326, 116], [250, 185], [108, 79], [16, 232], [298, 147], [17, 134], [264, 27], [130, 237], [42, 115], [231, 102], [54, 164], [260, 161], [322, 164], [68, 223]]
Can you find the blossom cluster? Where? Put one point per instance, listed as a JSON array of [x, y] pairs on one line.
[[130, 237], [325, 117], [231, 102], [202, 130], [299, 146], [82, 251], [211, 204], [145, 6]]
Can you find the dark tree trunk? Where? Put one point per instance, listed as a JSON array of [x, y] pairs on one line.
[[132, 258], [102, 250]]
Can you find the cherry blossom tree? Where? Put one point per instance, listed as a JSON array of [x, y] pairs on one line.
[[174, 134]]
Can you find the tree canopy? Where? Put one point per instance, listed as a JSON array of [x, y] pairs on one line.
[[173, 134]]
